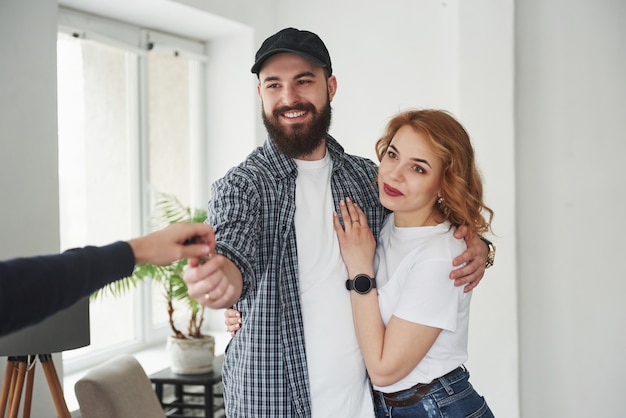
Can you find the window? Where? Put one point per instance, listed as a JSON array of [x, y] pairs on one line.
[[130, 125]]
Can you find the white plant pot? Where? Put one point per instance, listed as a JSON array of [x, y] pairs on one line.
[[191, 355]]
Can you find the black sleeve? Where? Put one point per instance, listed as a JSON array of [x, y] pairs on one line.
[[33, 288]]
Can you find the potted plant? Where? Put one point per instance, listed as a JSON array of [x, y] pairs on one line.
[[190, 351]]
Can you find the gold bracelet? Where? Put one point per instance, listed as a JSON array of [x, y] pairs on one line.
[[491, 255]]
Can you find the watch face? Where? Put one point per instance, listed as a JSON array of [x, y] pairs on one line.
[[362, 284]]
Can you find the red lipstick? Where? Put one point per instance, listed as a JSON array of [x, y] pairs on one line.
[[391, 191]]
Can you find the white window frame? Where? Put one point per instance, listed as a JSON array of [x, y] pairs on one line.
[[137, 41]]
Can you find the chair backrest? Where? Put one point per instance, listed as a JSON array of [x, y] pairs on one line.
[[117, 388]]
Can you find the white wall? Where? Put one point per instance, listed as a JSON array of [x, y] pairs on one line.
[[570, 147]]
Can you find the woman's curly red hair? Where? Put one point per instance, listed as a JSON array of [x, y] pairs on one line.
[[461, 185]]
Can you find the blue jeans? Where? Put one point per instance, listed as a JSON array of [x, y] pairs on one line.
[[448, 397]]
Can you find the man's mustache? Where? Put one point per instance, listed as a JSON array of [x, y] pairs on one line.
[[305, 107]]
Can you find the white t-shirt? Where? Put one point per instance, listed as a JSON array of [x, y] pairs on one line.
[[412, 274], [337, 373]]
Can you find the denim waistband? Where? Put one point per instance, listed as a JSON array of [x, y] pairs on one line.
[[421, 390]]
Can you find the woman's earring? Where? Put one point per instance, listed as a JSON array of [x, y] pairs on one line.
[[442, 206]]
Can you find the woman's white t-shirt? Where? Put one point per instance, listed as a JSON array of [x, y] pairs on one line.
[[412, 274]]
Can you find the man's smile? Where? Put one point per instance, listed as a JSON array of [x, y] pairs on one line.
[[294, 114]]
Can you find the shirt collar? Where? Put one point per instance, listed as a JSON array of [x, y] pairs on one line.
[[285, 166]]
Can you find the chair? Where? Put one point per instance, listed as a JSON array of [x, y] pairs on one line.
[[117, 388]]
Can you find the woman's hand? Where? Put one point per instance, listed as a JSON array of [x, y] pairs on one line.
[[356, 241], [232, 319]]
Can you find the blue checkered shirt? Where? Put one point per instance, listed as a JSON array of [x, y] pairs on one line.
[[252, 210]]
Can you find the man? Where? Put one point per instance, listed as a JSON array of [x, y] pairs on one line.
[[33, 288], [277, 257]]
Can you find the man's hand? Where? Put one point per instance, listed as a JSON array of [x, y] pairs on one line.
[[215, 281], [475, 256]]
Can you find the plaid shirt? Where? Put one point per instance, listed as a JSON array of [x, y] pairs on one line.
[[252, 210]]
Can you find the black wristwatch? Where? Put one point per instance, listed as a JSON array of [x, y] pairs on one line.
[[361, 284], [491, 255]]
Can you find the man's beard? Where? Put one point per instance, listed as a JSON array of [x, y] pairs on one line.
[[299, 140]]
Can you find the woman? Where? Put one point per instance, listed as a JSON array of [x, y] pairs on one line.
[[412, 329]]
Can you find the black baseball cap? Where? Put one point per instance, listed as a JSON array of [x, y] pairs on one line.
[[301, 42]]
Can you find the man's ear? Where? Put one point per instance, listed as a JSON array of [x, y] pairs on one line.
[[332, 87]]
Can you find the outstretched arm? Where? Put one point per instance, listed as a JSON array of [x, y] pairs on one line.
[[33, 288]]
